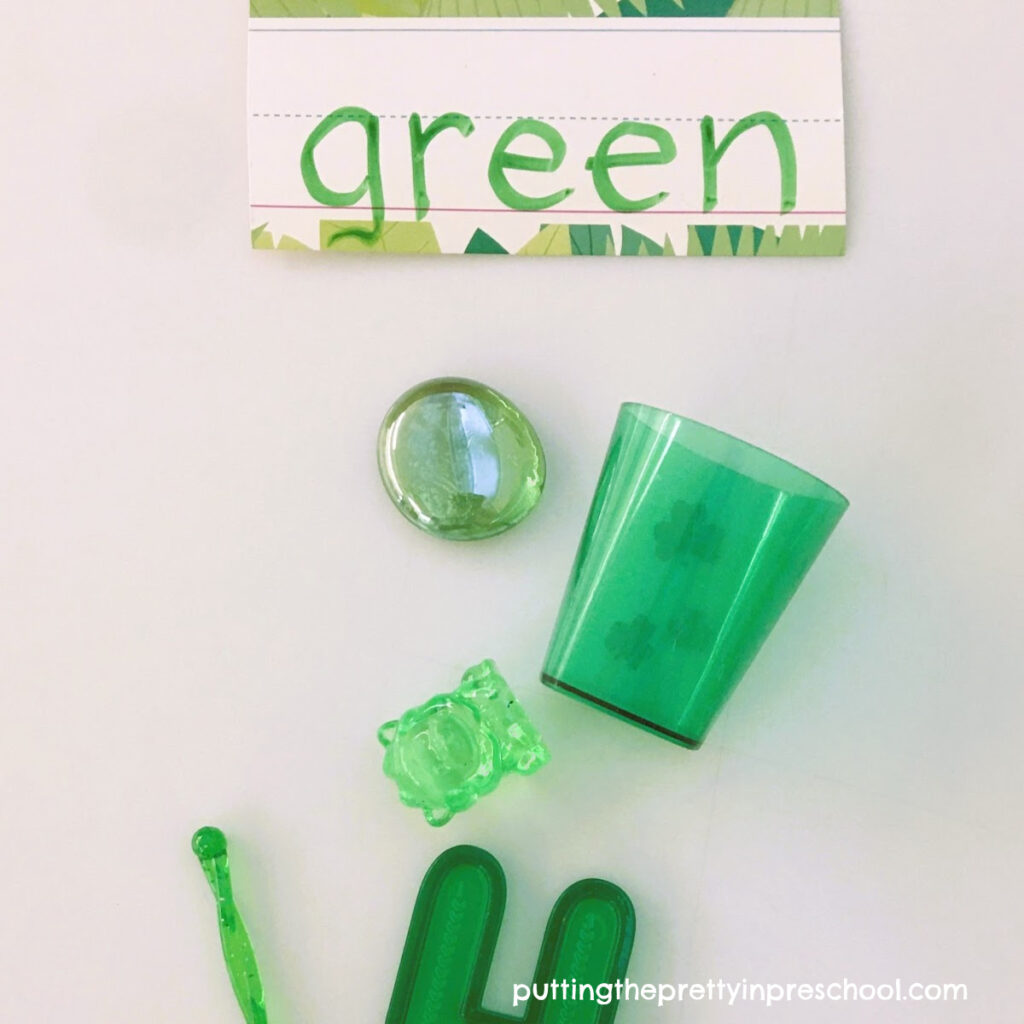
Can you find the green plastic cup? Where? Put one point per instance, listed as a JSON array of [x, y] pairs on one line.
[[694, 544]]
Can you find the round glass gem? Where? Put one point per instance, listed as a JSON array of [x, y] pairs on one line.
[[459, 460]]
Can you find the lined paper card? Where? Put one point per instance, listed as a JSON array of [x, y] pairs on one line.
[[582, 135]]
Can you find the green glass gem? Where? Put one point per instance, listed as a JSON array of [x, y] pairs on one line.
[[460, 460], [210, 846], [446, 754], [454, 930]]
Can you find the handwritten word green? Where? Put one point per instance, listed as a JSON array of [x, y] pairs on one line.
[[504, 159]]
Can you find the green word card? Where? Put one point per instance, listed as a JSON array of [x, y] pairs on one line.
[[547, 127]]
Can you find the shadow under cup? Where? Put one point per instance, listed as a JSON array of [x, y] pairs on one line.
[[694, 544]]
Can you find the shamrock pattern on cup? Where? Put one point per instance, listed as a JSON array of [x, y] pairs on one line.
[[688, 533], [631, 641]]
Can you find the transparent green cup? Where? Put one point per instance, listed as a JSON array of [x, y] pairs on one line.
[[694, 544]]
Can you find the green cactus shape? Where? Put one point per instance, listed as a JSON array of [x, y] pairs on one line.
[[210, 846], [452, 936]]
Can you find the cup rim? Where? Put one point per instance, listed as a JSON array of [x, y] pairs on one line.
[[816, 488]]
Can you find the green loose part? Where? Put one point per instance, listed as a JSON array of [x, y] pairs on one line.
[[211, 847], [695, 544], [447, 753], [454, 930]]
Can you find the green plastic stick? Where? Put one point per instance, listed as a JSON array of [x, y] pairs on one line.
[[211, 847]]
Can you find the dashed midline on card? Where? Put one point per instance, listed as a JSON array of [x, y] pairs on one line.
[[582, 117]]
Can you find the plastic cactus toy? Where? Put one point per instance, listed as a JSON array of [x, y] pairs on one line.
[[450, 946], [447, 753]]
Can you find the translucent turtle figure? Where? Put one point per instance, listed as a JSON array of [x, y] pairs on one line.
[[447, 753]]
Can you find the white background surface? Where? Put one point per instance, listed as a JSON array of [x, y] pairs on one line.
[[209, 604]]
